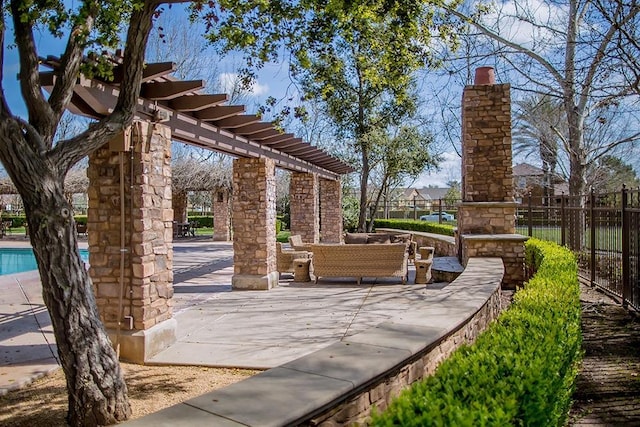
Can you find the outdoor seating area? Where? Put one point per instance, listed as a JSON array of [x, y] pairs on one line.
[[360, 260], [384, 238], [184, 229], [5, 226], [361, 255]]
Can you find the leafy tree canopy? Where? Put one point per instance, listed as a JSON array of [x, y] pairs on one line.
[[304, 32]]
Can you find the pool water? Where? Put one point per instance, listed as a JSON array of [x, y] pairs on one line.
[[15, 260]]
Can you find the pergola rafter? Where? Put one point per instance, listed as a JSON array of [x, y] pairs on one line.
[[199, 119]]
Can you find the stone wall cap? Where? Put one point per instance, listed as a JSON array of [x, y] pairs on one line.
[[489, 204], [496, 237]]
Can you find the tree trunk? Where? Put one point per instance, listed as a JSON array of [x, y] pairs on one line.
[[577, 168], [364, 180], [97, 391]]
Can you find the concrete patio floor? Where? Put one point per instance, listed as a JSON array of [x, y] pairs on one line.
[[216, 327]]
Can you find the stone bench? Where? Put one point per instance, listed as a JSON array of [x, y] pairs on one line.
[[444, 245]]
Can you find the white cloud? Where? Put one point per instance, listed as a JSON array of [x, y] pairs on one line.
[[230, 83], [527, 22]]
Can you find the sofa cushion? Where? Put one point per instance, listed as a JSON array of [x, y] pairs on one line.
[[397, 238], [355, 238], [378, 238]]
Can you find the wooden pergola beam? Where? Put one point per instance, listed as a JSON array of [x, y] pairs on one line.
[[266, 134], [156, 91], [150, 72], [197, 102], [237, 121], [198, 119], [280, 137], [288, 143], [219, 112], [254, 129]]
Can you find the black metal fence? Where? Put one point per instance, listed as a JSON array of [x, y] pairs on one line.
[[604, 232], [416, 208]]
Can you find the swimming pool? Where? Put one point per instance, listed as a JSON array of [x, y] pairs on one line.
[[18, 260]]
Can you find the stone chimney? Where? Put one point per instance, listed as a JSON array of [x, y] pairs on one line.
[[486, 218]]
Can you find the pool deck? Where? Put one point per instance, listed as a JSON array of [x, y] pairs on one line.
[[216, 327]]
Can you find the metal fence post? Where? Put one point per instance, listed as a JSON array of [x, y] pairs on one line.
[[530, 217], [563, 222], [592, 210], [626, 257]]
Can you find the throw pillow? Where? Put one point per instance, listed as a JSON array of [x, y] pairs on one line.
[[378, 238], [355, 238]]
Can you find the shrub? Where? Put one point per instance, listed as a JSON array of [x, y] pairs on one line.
[[413, 225], [16, 220], [203, 221], [520, 371], [283, 236]]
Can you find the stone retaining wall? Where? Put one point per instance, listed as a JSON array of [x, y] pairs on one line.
[[444, 245], [357, 409]]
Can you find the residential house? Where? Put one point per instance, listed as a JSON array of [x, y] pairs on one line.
[[529, 179]]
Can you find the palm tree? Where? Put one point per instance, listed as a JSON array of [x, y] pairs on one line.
[[539, 131]]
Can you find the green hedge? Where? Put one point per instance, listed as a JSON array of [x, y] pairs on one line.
[[203, 221], [521, 371], [20, 220], [413, 225], [16, 220]]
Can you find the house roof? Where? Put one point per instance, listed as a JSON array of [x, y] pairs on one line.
[[525, 169], [431, 193], [560, 188]]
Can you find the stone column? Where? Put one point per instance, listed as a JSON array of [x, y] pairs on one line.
[[179, 203], [254, 224], [304, 206], [486, 216], [221, 215], [331, 210], [142, 325]]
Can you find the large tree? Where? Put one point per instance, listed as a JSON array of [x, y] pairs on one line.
[[356, 59], [38, 164], [570, 51], [397, 158]]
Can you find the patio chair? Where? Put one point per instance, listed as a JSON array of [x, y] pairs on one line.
[[297, 244], [285, 258]]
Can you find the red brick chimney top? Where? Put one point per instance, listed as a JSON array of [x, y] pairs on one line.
[[484, 76]]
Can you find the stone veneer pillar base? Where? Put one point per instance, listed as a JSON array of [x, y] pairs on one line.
[[331, 211], [254, 224], [147, 289], [250, 282], [221, 216], [304, 206], [509, 247], [140, 346]]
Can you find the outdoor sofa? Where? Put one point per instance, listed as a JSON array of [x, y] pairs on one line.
[[360, 260]]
